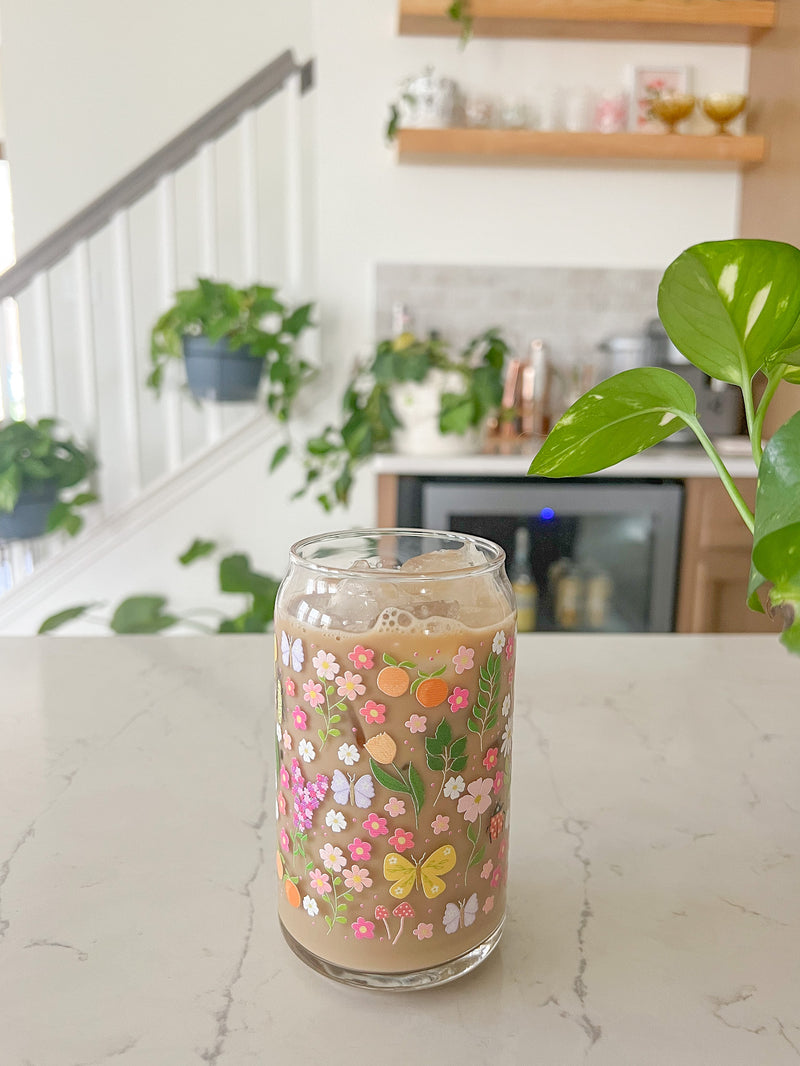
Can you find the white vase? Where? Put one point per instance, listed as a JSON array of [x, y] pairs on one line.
[[417, 406]]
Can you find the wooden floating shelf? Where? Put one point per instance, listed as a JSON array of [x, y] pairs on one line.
[[533, 147], [712, 21]]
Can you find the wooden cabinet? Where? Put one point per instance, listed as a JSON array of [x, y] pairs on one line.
[[715, 563]]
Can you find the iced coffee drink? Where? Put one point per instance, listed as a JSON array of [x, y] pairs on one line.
[[394, 692]]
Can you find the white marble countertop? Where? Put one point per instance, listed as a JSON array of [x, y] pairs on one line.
[[654, 911], [664, 461]]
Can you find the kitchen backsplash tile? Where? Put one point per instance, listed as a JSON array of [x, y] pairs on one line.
[[570, 308]]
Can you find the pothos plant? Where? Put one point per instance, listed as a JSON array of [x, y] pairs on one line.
[[37, 454], [254, 318], [733, 309], [369, 418], [151, 613]]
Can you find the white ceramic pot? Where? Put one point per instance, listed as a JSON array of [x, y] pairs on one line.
[[417, 406]]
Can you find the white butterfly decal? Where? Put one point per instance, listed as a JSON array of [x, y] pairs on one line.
[[348, 790], [464, 914], [292, 649]]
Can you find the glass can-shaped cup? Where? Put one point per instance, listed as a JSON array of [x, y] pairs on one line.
[[394, 690]]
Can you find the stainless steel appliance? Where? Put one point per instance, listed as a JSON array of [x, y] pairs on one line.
[[604, 553]]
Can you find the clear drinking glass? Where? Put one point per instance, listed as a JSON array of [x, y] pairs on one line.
[[394, 692]]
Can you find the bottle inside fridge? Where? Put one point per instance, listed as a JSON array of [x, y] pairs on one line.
[[521, 575]]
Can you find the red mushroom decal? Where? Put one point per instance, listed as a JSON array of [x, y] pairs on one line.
[[402, 911], [381, 914]]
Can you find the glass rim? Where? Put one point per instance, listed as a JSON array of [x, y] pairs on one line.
[[494, 559]]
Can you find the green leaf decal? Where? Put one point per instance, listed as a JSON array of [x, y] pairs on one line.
[[478, 856], [435, 762], [386, 779], [618, 418], [417, 787]]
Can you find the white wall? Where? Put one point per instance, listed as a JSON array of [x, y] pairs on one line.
[[91, 88]]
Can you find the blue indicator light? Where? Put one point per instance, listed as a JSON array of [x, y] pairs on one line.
[[547, 514]]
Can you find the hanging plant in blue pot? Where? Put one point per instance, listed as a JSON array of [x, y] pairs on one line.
[[229, 339], [38, 465]]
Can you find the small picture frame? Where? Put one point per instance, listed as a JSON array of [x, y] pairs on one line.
[[646, 83]]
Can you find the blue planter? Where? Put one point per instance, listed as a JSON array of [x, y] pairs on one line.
[[215, 372], [29, 517]]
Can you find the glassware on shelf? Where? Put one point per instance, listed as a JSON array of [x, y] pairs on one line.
[[673, 108], [723, 108]]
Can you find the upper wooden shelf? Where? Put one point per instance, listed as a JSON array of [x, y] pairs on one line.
[[712, 21], [490, 146]]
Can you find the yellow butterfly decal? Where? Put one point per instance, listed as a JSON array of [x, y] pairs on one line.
[[406, 872]]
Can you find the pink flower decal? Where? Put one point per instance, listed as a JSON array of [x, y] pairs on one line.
[[440, 824], [490, 759], [284, 775], [363, 929], [375, 826], [402, 839], [363, 658], [291, 688], [360, 849], [325, 665], [499, 779], [462, 660], [424, 931], [417, 723], [284, 839], [299, 718], [281, 803], [497, 876], [488, 904], [349, 685], [357, 878], [374, 713], [395, 807], [486, 869], [312, 693], [287, 740], [458, 699], [320, 881], [332, 858], [501, 851], [477, 799], [509, 649]]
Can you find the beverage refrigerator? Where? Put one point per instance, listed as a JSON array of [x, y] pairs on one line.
[[603, 554]]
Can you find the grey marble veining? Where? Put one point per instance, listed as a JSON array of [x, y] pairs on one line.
[[654, 915]]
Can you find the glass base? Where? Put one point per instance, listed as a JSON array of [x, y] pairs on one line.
[[410, 979]]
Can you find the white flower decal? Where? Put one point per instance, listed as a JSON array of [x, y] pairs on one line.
[[454, 787], [310, 906], [499, 641], [305, 749], [325, 665], [348, 754], [506, 706], [336, 821], [505, 747]]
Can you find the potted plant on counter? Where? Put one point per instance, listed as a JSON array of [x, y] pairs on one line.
[[414, 396], [37, 466], [733, 309], [229, 338]]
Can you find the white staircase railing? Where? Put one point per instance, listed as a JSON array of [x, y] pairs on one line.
[[222, 199]]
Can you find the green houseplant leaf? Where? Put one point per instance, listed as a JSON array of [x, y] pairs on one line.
[[729, 305], [618, 418], [776, 537], [142, 614]]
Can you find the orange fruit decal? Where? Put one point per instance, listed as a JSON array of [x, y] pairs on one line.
[[292, 893], [393, 681], [432, 691]]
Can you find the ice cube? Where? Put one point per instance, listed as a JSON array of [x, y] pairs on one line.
[[445, 559]]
